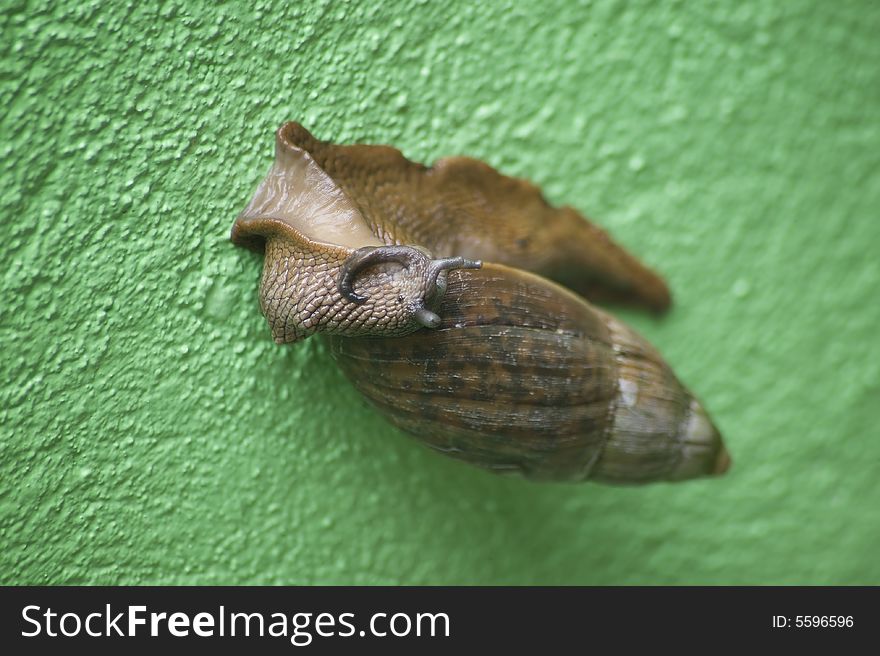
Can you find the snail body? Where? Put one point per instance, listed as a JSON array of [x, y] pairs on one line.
[[488, 363], [315, 240]]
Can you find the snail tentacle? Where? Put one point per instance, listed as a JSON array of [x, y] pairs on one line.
[[368, 256], [448, 263], [407, 256], [427, 318]]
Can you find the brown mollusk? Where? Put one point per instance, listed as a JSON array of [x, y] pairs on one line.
[[520, 374]]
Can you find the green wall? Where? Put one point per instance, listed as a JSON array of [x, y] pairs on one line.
[[153, 433]]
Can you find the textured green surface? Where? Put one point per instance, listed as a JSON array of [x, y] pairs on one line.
[[153, 433]]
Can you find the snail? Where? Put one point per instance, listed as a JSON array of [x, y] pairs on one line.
[[455, 300]]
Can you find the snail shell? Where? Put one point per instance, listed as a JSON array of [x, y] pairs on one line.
[[517, 374], [524, 376]]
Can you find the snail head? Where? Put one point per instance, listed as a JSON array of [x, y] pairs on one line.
[[415, 278]]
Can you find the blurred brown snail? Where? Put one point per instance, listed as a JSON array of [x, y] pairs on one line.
[[409, 271]]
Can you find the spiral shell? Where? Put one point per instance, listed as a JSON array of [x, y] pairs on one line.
[[523, 376]]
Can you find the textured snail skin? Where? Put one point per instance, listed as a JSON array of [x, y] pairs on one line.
[[518, 374], [312, 234], [300, 292]]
